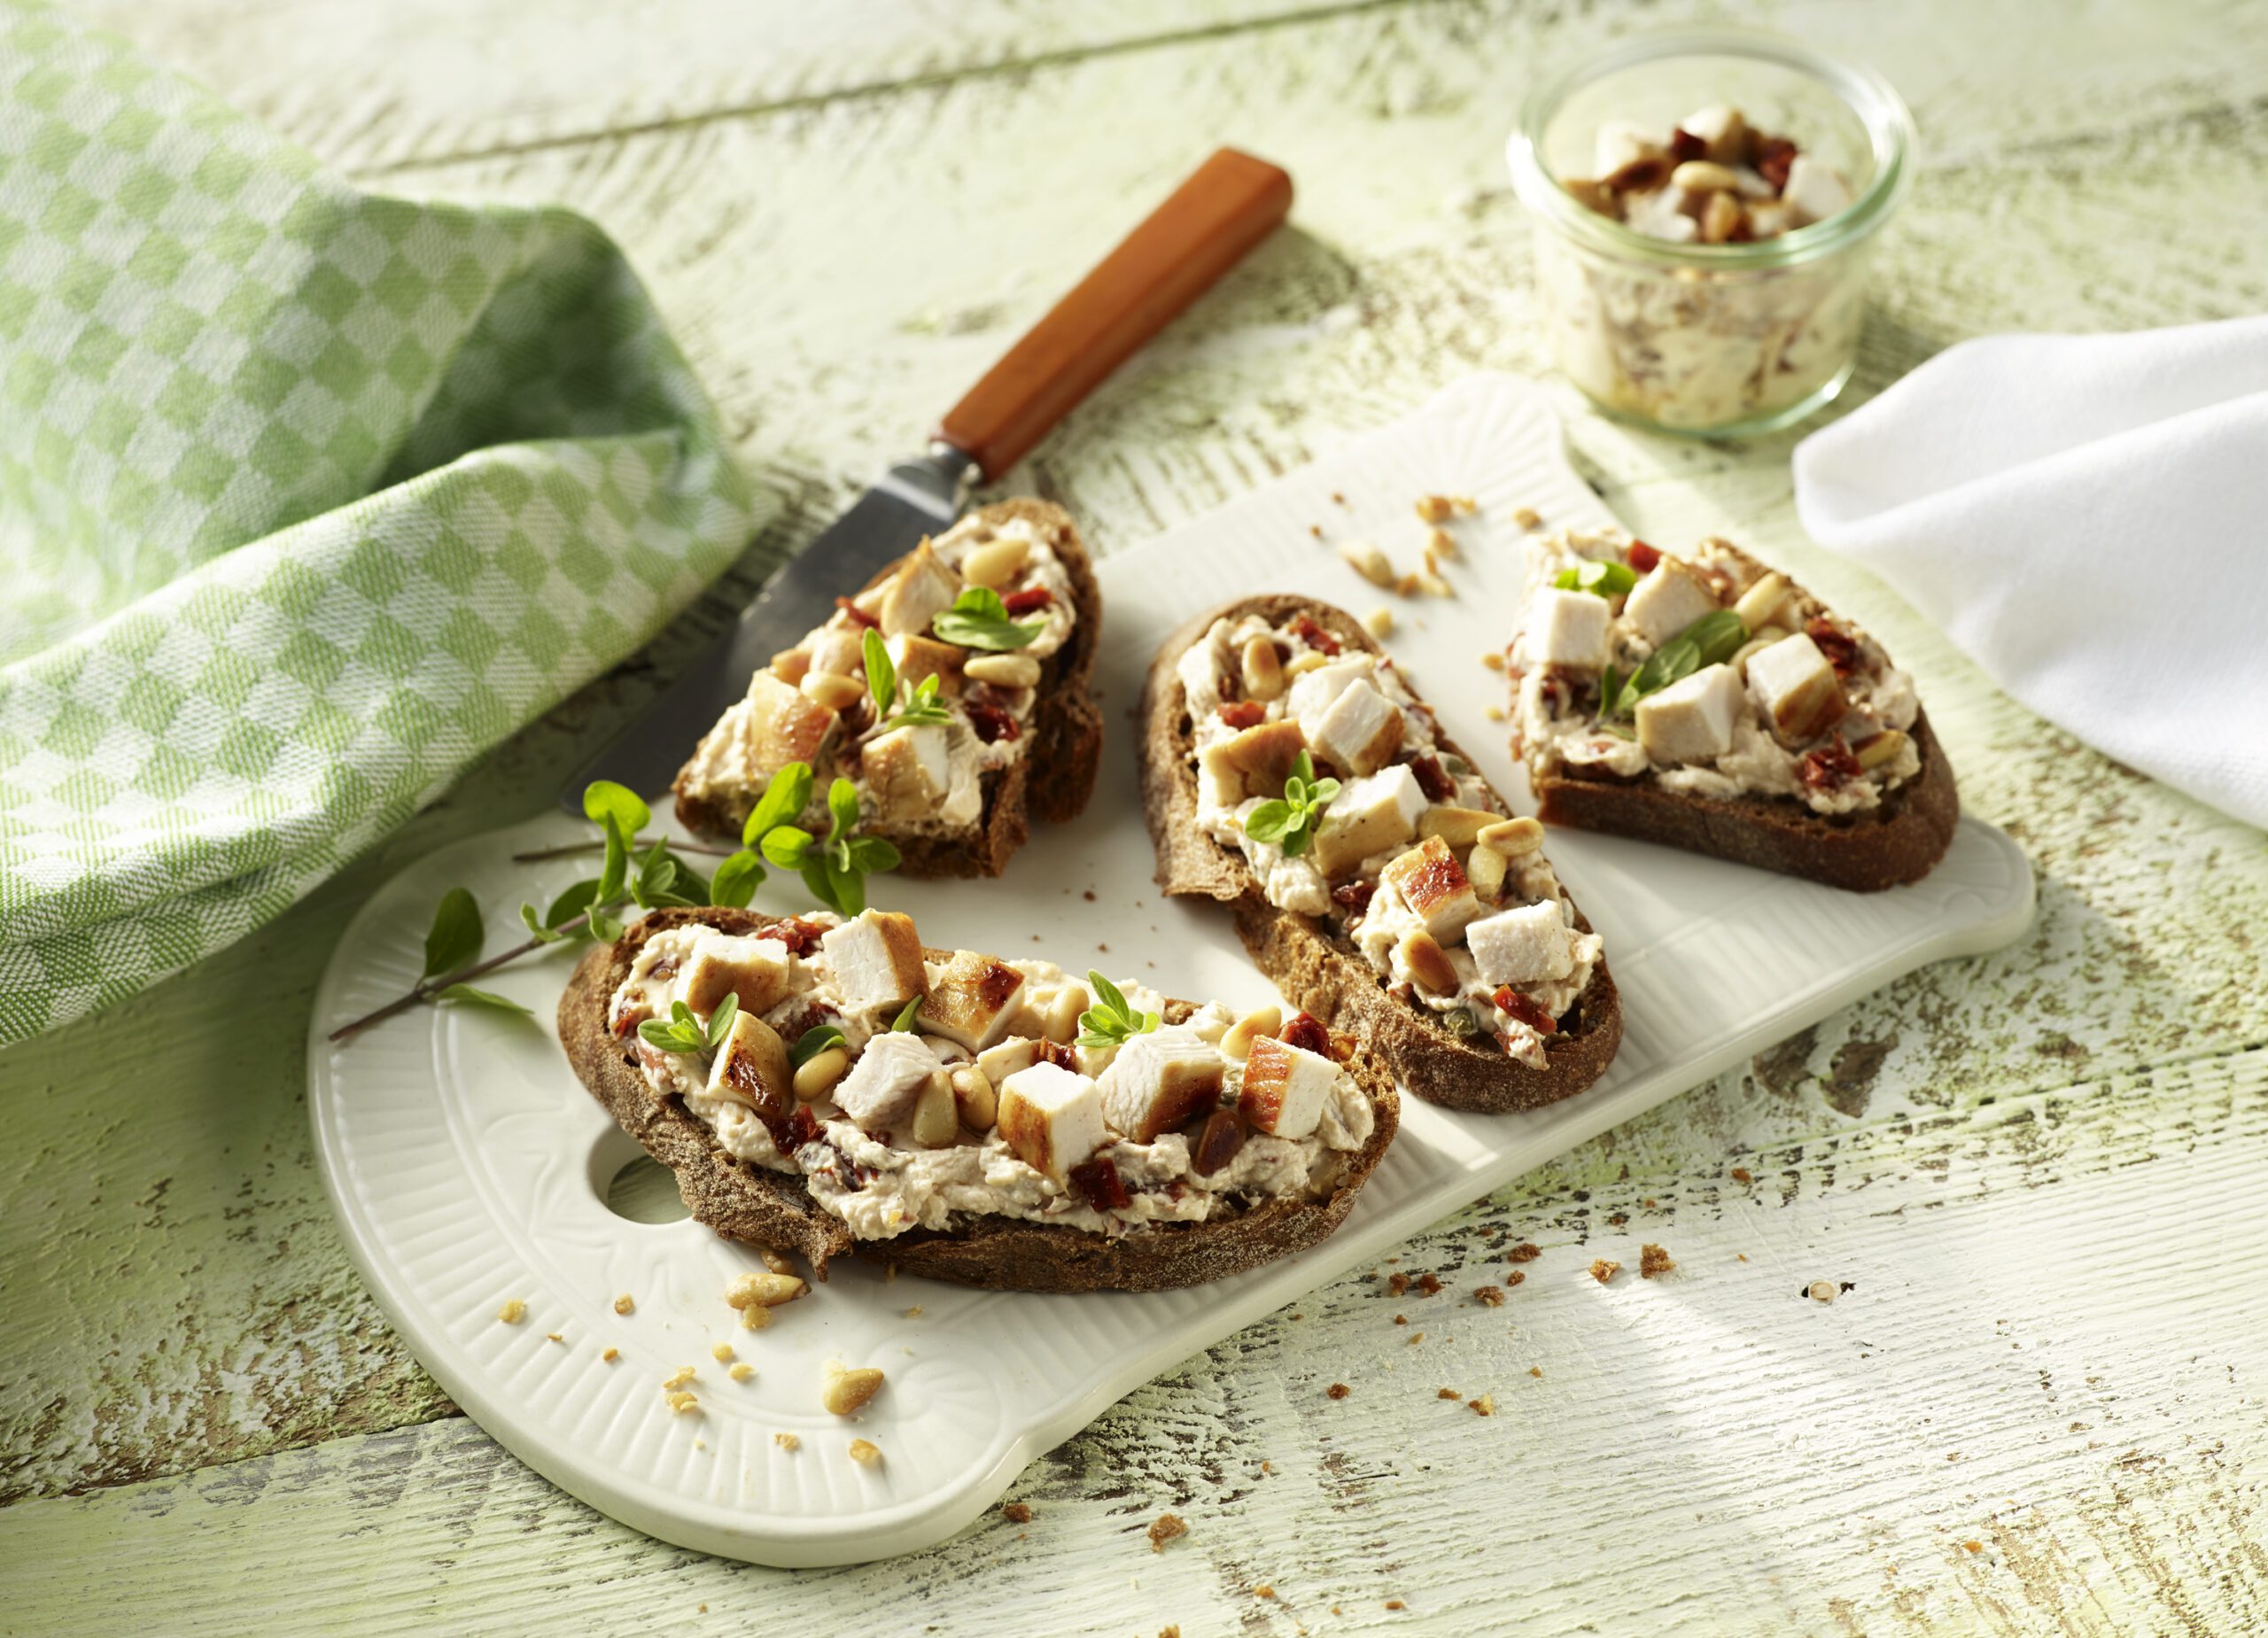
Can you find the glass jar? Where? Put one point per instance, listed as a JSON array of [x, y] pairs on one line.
[[1709, 339]]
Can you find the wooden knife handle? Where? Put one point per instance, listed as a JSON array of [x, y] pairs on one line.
[[1229, 204]]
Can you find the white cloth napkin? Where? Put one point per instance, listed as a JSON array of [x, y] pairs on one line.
[[2087, 517]]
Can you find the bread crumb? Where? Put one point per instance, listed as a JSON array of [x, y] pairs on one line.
[[1016, 1513], [1604, 1269], [1263, 1591], [914, 1312], [610, 1355], [1164, 1530], [1489, 1296], [1535, 1370], [1435, 508], [756, 1316], [1337, 1390], [1526, 517], [1518, 1276], [1173, 1631], [624, 1304], [1653, 1260], [1266, 1467], [1397, 1283], [742, 1372], [678, 1379], [1339, 499], [1527, 1251], [1316, 529], [1741, 1173], [1493, 713], [1821, 1291], [1380, 621], [1485, 1406], [1393, 1604], [1974, 1546], [1402, 1319], [1428, 1284], [1449, 1394], [513, 1311], [865, 1452], [1741, 1255], [787, 1441], [1417, 1337], [553, 1336], [679, 1403], [1441, 543], [722, 1353], [1494, 660]]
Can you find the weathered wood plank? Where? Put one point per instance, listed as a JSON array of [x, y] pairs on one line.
[[2038, 1408]]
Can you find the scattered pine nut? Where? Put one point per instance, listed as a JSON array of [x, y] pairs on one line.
[[1485, 1406], [610, 1355], [1494, 660], [513, 1311], [1526, 517], [847, 1389], [623, 1304], [865, 1452], [1604, 1269], [742, 1372], [681, 1403], [678, 1377], [1367, 561], [1380, 621], [787, 1441]]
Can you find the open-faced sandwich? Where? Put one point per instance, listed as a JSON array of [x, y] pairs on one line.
[[1712, 703], [832, 1087], [1288, 770], [953, 690]]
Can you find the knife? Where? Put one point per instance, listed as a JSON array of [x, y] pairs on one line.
[[1227, 206]]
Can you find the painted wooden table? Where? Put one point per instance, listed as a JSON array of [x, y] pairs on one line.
[[2038, 1404]]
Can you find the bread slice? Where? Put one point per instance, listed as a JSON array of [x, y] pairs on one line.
[[1319, 970], [1051, 780], [1899, 841], [745, 1202]]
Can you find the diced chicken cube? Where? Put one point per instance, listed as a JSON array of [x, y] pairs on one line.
[[907, 771], [751, 1068], [971, 996], [840, 651], [1617, 144], [1003, 1058], [886, 1082], [1797, 688], [778, 724], [918, 593], [1314, 692], [1160, 1081], [1722, 131], [1527, 945], [1434, 886], [1692, 719], [1051, 1118], [875, 961], [1667, 600], [1815, 191], [1253, 763], [754, 969], [1656, 215], [1284, 1088], [917, 658], [1568, 628], [1360, 731], [1368, 816]]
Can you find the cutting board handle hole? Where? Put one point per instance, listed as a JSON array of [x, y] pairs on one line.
[[635, 1187]]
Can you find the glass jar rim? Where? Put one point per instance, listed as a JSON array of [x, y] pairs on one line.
[[1889, 126]]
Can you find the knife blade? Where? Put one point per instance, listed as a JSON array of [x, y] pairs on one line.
[[1227, 206]]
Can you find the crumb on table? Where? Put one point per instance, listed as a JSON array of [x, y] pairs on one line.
[[1605, 1268], [624, 1304], [865, 1452], [1527, 1251], [1489, 1296], [787, 1441], [513, 1311], [1016, 1513], [1165, 1527], [1337, 1390], [1484, 1406], [1449, 1394], [1653, 1260]]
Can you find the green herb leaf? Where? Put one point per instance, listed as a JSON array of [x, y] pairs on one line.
[[820, 884], [533, 922], [979, 620], [657, 875], [603, 927], [842, 809], [615, 873], [1111, 1019], [849, 887], [903, 1024], [871, 855], [720, 1021], [680, 1032], [1292, 821], [784, 845], [924, 708], [1600, 578], [881, 676], [603, 799], [737, 880], [812, 1042], [784, 799], [568, 908], [456, 937], [1712, 640], [465, 995], [1269, 821]]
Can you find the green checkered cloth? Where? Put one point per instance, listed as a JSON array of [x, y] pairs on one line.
[[307, 498]]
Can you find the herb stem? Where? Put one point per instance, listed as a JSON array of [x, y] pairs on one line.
[[568, 849], [426, 988]]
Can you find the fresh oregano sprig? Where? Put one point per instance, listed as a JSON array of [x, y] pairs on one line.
[[979, 620], [1292, 821], [834, 867], [1112, 1021], [682, 1032], [1603, 580], [919, 707], [1712, 640]]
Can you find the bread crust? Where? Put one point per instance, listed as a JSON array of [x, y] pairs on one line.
[[1323, 975], [744, 1202], [1066, 733], [1901, 841]]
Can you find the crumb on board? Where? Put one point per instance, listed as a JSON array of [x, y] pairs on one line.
[[1605, 1268], [914, 1312], [624, 1303], [1449, 1394], [1316, 529], [1741, 1173], [682, 1403], [756, 1316], [1337, 1390], [1338, 498], [1417, 1337], [1535, 1370], [1484, 1406], [1517, 1277], [742, 1372], [1653, 1260], [1494, 660], [1402, 1319], [1493, 713], [1489, 1296], [865, 1452], [787, 1441], [1741, 1255], [1526, 517], [1263, 1591], [1821, 1291], [1429, 1285], [722, 1353], [1380, 622], [1016, 1513], [1397, 1283], [678, 1377], [1527, 1251], [1393, 1604], [610, 1355], [553, 1336], [1165, 1528], [513, 1311]]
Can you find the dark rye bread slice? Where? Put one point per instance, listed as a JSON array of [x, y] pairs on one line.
[[1065, 733], [1322, 973], [1901, 841], [744, 1202]]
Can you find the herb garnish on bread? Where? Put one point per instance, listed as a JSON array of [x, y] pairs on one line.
[[1712, 703], [969, 711], [1288, 770], [992, 1122]]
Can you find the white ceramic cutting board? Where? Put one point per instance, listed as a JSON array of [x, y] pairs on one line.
[[469, 1167]]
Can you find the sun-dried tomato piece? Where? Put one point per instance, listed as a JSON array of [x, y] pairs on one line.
[[1525, 1009], [801, 936], [1217, 1142], [1830, 767], [1031, 598], [1354, 897], [1314, 636], [1774, 156], [858, 616], [1684, 145], [1306, 1031], [1244, 713], [1642, 557], [1055, 1053], [1840, 647], [992, 725], [1098, 1183], [1431, 778]]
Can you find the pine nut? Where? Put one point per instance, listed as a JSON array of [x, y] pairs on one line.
[[836, 694], [791, 665], [1303, 664], [1484, 868], [1263, 669], [996, 563], [978, 1105], [818, 1077], [936, 1118], [1702, 176], [1003, 671], [1367, 561], [1876, 749], [1428, 962], [1460, 827], [847, 1389], [865, 1452], [1063, 1014], [1762, 601], [1264, 1020], [1512, 837], [1380, 621], [765, 1290]]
